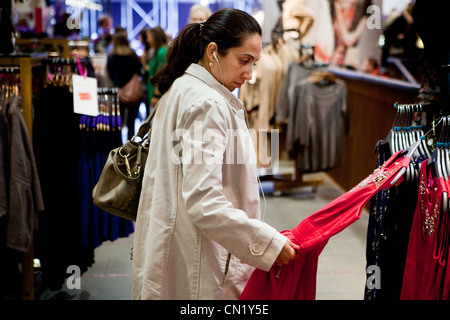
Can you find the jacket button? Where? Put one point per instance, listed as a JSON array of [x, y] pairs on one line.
[[233, 102], [256, 248]]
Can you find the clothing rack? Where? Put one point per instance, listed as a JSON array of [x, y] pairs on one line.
[[23, 65], [9, 70], [307, 60], [391, 211], [108, 91], [290, 181], [59, 61]]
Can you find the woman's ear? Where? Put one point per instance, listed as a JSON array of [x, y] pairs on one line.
[[210, 49]]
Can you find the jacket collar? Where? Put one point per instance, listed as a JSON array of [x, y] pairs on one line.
[[201, 73]]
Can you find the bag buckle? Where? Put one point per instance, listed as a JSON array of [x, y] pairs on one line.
[[127, 164]]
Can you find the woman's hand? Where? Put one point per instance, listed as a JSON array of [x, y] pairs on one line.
[[287, 253]]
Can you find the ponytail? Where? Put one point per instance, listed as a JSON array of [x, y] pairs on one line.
[[227, 28]]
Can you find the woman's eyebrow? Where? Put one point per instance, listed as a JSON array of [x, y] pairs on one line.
[[250, 56]]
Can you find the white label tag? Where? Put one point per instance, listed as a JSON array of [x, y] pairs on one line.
[[85, 99]]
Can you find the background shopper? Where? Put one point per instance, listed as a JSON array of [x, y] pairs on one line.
[[125, 69]]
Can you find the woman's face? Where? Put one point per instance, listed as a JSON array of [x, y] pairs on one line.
[[237, 65]]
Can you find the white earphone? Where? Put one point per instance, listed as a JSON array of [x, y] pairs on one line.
[[220, 69]]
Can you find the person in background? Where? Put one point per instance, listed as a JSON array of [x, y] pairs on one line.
[[370, 65], [157, 40], [123, 64], [103, 44], [120, 29], [198, 13], [199, 233], [147, 52], [400, 36]]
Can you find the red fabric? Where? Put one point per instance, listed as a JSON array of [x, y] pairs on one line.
[[445, 225], [297, 280], [427, 248]]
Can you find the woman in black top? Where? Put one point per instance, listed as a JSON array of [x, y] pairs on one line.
[[123, 63]]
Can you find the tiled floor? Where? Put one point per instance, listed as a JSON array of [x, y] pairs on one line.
[[341, 271]]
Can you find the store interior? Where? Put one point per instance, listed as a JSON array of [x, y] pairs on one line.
[[350, 82]]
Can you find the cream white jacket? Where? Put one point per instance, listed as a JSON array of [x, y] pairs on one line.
[[198, 234]]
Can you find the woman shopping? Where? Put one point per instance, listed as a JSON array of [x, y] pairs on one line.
[[199, 233], [125, 71]]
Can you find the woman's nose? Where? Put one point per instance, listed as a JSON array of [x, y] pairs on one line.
[[247, 75]]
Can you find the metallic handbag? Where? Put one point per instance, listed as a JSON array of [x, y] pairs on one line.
[[119, 186]]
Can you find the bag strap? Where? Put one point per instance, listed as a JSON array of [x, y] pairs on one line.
[[145, 126]]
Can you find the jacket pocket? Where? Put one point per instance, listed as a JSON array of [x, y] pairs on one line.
[[232, 269]]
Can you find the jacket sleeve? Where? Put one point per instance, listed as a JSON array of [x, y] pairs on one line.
[[251, 240]]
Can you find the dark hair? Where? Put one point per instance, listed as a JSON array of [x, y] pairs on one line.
[[121, 46], [143, 34], [373, 62], [228, 28], [159, 37]]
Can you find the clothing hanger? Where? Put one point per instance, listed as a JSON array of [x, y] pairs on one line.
[[392, 135], [423, 146], [410, 151], [322, 77], [403, 139]]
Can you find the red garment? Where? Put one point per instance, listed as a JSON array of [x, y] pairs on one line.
[[297, 280], [425, 261], [445, 230]]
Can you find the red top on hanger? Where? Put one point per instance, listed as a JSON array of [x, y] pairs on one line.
[[427, 248], [297, 280]]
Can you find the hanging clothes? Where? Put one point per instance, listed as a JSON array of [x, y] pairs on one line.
[[297, 280], [295, 73], [260, 95], [316, 126], [428, 247], [56, 140], [20, 191], [71, 150], [25, 198], [99, 135], [391, 212]]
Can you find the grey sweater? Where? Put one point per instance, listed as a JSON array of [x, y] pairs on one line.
[[23, 190]]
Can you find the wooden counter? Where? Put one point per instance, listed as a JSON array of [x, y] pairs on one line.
[[370, 105]]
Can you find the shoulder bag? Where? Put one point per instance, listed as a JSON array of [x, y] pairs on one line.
[[132, 91], [119, 186]]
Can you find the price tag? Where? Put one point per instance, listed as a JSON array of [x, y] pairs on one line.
[[85, 99]]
